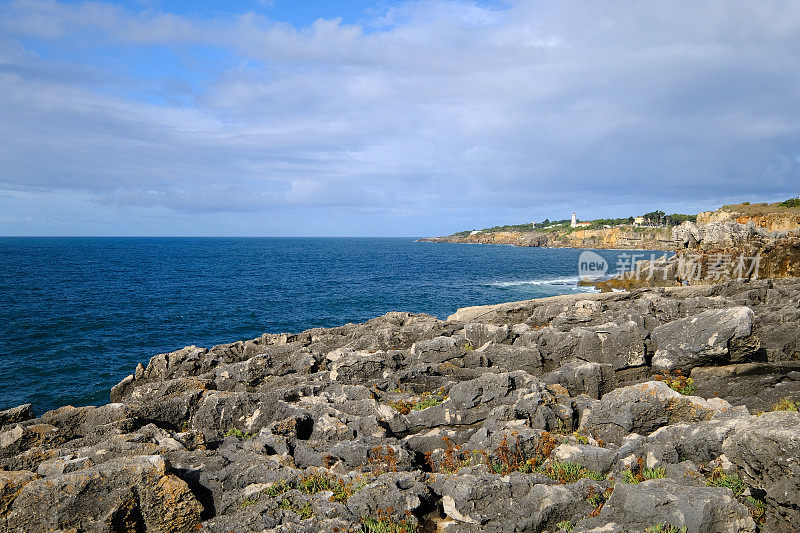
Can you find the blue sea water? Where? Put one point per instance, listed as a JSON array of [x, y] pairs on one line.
[[77, 314]]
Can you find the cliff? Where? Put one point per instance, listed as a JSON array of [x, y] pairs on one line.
[[771, 217], [612, 412]]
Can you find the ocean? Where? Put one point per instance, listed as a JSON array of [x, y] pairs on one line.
[[78, 314]]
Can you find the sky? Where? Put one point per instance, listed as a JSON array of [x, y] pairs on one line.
[[389, 118]]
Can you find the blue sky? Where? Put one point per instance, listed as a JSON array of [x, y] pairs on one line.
[[388, 118]]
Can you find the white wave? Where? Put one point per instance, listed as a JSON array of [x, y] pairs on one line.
[[557, 281]]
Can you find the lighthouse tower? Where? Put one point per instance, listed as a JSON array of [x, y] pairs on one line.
[[574, 223]]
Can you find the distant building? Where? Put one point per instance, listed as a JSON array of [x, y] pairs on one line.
[[576, 224], [638, 221]]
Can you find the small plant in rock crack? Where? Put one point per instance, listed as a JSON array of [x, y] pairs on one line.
[[238, 433], [718, 478], [665, 528], [757, 509], [454, 458], [580, 438], [677, 382], [785, 404], [567, 472], [565, 525], [248, 502], [426, 399], [305, 512], [638, 472], [597, 499], [383, 522]]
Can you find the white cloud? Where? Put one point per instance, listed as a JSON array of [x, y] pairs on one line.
[[443, 113]]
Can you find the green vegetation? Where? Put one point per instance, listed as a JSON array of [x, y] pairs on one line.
[[384, 523], [785, 404], [427, 399], [567, 472], [638, 473], [248, 502], [657, 219], [305, 512], [566, 525], [791, 202], [314, 483], [677, 382], [730, 481], [757, 510], [665, 528], [238, 433]]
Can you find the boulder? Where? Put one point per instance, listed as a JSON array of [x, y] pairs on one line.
[[132, 494], [698, 509], [620, 345], [643, 408], [767, 453], [486, 502], [479, 334], [16, 414], [714, 337]]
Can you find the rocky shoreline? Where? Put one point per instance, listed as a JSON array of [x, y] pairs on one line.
[[608, 412]]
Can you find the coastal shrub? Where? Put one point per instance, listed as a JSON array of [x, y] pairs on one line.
[[238, 433], [567, 472], [506, 458], [665, 527], [785, 404], [384, 523], [382, 459], [318, 482], [791, 202], [678, 382]]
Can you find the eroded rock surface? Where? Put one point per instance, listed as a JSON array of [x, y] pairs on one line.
[[542, 415]]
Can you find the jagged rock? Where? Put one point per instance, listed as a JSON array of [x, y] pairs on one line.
[[594, 458], [583, 377], [699, 509], [17, 414], [11, 484], [759, 386], [377, 406], [620, 345], [122, 495], [479, 334], [402, 492], [488, 502], [717, 336], [767, 452], [643, 408]]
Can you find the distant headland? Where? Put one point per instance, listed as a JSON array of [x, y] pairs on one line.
[[651, 231]]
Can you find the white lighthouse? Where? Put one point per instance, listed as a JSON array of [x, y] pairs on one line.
[[576, 224]]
